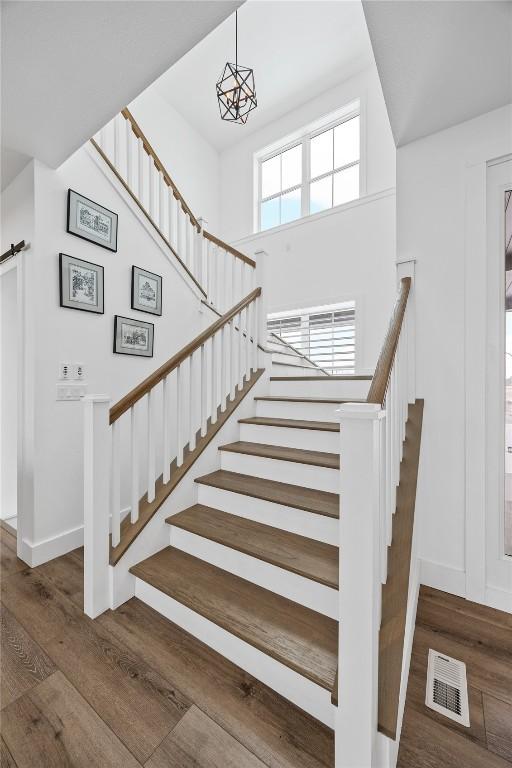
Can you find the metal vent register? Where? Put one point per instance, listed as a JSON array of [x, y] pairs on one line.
[[447, 688]]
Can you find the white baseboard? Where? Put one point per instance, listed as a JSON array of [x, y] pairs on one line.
[[36, 553], [498, 598], [443, 577]]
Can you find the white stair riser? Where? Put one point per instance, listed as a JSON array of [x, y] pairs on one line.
[[305, 694], [283, 409], [294, 369], [312, 439], [320, 478], [309, 524], [323, 386], [309, 593]]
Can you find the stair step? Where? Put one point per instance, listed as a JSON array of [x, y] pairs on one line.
[[267, 421], [298, 637], [346, 377], [282, 453], [330, 400], [298, 554], [298, 497]]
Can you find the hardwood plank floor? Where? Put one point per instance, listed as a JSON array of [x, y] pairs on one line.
[[480, 637], [198, 742], [124, 684]]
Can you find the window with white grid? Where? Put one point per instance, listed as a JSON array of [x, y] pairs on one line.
[[317, 170], [324, 334]]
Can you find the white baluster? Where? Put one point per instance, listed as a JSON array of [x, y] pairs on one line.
[[189, 244], [222, 354], [214, 379], [129, 157], [234, 299], [116, 486], [151, 191], [255, 334], [140, 173], [180, 233], [232, 360], [179, 418], [170, 227], [117, 141], [151, 449], [212, 260], [166, 416], [239, 361], [204, 391], [162, 186], [248, 311], [102, 139], [134, 452], [191, 405]]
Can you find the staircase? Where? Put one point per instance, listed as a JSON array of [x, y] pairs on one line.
[[257, 554], [248, 451]]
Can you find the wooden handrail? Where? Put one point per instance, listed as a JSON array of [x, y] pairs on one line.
[[137, 130], [379, 385], [151, 381], [229, 249], [13, 250]]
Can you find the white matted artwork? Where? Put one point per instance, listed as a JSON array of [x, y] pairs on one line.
[[146, 291], [81, 284], [91, 221], [133, 337]]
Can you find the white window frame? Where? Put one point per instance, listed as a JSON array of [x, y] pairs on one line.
[[303, 138]]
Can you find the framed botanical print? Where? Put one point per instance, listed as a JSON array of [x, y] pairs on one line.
[[80, 284], [91, 221], [133, 337], [146, 291]]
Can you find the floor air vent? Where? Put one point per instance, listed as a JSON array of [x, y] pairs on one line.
[[447, 688]]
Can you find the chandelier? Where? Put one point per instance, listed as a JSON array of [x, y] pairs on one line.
[[236, 92]]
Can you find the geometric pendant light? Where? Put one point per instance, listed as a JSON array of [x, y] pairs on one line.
[[236, 92]]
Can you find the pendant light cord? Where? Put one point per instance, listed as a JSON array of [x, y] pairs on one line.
[[236, 39]]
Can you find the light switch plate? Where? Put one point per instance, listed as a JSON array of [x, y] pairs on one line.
[[66, 371], [79, 371]]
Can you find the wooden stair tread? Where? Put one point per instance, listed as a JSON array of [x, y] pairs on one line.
[[298, 399], [309, 558], [307, 499], [347, 377], [284, 453], [298, 637], [268, 421]]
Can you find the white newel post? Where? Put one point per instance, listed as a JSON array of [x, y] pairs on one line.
[[97, 447], [360, 488], [407, 268], [261, 282], [200, 252]]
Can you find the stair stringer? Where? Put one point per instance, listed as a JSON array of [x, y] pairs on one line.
[[156, 534]]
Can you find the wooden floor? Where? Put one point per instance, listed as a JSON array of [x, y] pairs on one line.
[[482, 638], [131, 689]]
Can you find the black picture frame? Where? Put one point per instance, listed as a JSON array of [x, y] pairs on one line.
[[66, 263], [74, 229], [151, 277], [124, 348]]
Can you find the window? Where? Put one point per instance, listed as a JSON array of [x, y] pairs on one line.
[[313, 172], [324, 334]]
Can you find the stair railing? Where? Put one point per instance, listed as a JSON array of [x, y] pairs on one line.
[[371, 448], [222, 273], [131, 448]]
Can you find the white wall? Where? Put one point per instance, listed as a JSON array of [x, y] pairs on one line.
[[66, 335], [378, 149], [432, 221], [9, 385], [192, 163], [344, 254]]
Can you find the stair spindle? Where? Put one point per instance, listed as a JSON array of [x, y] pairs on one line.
[[166, 411], [116, 486], [191, 404], [179, 418], [222, 353], [232, 361], [151, 448], [129, 156], [239, 361], [140, 171], [134, 452], [204, 391], [248, 312]]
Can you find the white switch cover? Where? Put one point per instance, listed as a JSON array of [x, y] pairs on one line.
[[70, 391], [79, 371], [66, 371]]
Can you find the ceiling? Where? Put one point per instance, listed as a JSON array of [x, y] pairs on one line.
[[440, 63], [69, 65], [297, 50]]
